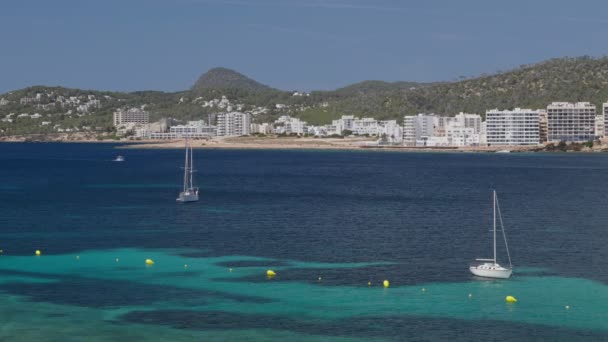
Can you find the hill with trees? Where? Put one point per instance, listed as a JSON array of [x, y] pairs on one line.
[[528, 86]]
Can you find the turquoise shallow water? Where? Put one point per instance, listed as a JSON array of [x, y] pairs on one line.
[[118, 285], [327, 223]]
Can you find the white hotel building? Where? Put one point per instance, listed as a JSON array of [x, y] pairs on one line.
[[418, 129], [574, 122], [345, 123], [131, 116], [365, 126], [462, 130], [233, 124], [194, 130], [288, 125], [512, 127], [391, 130]]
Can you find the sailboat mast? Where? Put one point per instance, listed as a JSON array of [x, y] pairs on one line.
[[186, 167], [191, 168], [494, 207]]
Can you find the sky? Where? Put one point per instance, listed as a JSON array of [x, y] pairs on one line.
[[128, 45]]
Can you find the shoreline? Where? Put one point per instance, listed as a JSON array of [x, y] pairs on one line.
[[286, 143], [292, 143]]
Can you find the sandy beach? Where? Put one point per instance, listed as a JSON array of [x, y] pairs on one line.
[[253, 142], [275, 142]]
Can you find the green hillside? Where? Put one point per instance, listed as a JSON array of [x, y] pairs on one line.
[[533, 86]]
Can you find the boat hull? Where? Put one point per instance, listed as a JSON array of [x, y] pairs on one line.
[[491, 272], [185, 197]]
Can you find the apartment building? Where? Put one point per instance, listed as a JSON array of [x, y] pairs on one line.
[[131, 116], [574, 122], [233, 124], [512, 127]]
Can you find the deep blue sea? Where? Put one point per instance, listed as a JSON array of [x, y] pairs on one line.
[[333, 225]]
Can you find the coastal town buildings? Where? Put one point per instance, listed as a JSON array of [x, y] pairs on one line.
[[389, 131], [512, 127], [193, 130], [605, 117], [463, 129], [233, 124], [570, 122], [409, 131], [262, 128], [365, 126], [131, 115], [599, 126], [345, 123], [483, 133], [466, 120], [560, 121], [288, 125], [322, 131], [542, 125], [461, 136], [417, 130]]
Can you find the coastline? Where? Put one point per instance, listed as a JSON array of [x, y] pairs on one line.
[[306, 143], [282, 143]]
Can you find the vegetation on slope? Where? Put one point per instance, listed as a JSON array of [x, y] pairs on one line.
[[531, 86]]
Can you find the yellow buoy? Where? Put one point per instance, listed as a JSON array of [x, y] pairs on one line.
[[38, 252], [185, 265], [386, 283], [423, 289], [510, 299], [270, 273], [230, 269], [369, 283], [470, 295], [567, 307], [149, 262]]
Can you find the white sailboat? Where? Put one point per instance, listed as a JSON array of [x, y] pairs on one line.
[[189, 193], [489, 268]]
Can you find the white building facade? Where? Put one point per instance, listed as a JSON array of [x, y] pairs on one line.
[[462, 136], [572, 122], [345, 123], [233, 124], [417, 130], [193, 130], [409, 131], [288, 125], [605, 117], [263, 128], [466, 120], [600, 125], [390, 131], [512, 127], [131, 115], [365, 126]]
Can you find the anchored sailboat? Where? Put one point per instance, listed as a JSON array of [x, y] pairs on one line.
[[489, 268], [189, 193]]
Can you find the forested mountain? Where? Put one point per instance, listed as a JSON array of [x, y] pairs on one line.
[[533, 86]]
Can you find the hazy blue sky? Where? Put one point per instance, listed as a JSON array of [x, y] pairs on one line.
[[306, 44]]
